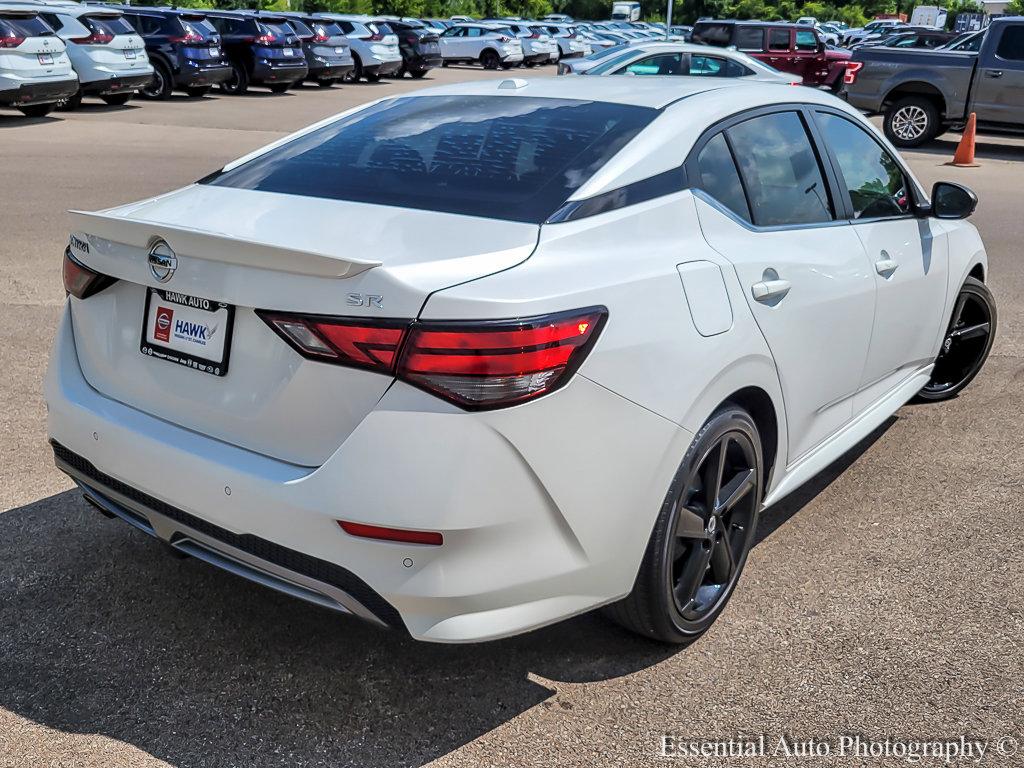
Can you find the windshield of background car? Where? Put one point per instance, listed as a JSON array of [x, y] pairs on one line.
[[379, 27], [199, 26], [500, 157], [300, 29], [279, 29], [612, 51]]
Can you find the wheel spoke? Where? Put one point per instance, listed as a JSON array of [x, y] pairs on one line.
[[970, 332], [713, 470], [690, 525], [692, 577], [722, 563], [734, 491]]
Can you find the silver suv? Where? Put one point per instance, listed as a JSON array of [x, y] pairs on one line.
[[375, 51], [35, 71], [493, 45], [106, 52]]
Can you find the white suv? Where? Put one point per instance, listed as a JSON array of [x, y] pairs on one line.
[[571, 42], [375, 50], [538, 46], [105, 50], [493, 45], [35, 71]]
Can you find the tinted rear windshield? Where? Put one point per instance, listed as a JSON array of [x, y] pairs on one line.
[[23, 26], [112, 25], [300, 29], [198, 26], [500, 157]]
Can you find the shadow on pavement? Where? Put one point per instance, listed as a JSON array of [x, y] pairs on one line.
[[983, 150], [102, 632]]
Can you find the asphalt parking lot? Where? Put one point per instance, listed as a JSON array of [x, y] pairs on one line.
[[886, 598]]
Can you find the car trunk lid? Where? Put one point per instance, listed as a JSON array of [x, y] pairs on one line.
[[253, 250]]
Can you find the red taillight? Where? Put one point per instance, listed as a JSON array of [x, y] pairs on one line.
[[188, 38], [11, 41], [340, 340], [80, 281], [320, 38], [99, 37], [265, 39], [852, 68], [402, 535], [498, 363], [476, 365]]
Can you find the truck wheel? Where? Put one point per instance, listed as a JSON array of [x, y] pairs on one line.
[[911, 122]]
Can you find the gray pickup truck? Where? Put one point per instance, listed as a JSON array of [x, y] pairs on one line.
[[922, 93]]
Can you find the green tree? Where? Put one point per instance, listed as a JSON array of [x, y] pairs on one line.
[[1015, 7]]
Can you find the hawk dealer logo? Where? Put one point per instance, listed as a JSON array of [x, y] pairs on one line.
[[164, 318]]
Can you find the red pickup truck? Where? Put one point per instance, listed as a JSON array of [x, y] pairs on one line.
[[794, 48]]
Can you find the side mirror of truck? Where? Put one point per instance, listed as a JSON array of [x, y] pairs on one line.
[[952, 201]]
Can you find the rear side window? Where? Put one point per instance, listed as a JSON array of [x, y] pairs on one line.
[[501, 157], [780, 171], [719, 177], [712, 34], [874, 180], [1011, 44], [112, 25], [23, 26], [712, 66], [778, 39], [750, 39]]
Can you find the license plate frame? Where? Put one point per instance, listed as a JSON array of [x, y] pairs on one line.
[[129, 54], [194, 306], [46, 59]]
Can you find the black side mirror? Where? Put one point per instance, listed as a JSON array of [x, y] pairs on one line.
[[952, 201]]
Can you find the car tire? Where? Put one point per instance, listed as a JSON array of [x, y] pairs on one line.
[[37, 110], [72, 102], [280, 87], [966, 344], [489, 59], [117, 99], [372, 77], [326, 82], [354, 74], [197, 91], [238, 83], [417, 74], [697, 550], [161, 85], [911, 122]]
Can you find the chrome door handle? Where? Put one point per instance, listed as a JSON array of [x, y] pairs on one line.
[[767, 290], [993, 73], [885, 267]]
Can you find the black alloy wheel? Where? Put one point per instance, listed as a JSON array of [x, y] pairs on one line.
[[966, 345], [489, 59], [161, 85], [238, 83], [702, 536]]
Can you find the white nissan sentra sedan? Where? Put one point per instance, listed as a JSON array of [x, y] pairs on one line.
[[469, 361]]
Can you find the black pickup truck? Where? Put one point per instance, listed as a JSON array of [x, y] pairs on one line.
[[921, 93]]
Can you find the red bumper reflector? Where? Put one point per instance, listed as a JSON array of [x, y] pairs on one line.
[[404, 536]]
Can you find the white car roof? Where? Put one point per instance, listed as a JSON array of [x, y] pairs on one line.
[[640, 91]]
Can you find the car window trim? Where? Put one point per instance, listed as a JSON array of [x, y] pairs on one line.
[[835, 192], [918, 199]]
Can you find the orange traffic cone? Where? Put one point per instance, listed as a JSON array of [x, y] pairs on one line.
[[964, 157]]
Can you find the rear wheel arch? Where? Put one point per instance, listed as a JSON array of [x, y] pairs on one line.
[[978, 272], [916, 88], [758, 403]]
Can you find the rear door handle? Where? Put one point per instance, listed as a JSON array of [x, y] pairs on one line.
[[993, 73], [886, 266], [768, 290]]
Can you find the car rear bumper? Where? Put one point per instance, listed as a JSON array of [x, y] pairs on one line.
[[116, 85], [418, 61], [263, 73], [534, 531], [38, 93], [378, 67], [329, 71], [192, 75]]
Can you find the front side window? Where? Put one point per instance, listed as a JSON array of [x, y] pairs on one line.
[[806, 40], [874, 180], [719, 177], [780, 170], [778, 39], [497, 157]]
